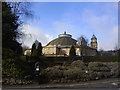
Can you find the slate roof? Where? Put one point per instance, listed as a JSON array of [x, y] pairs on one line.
[[63, 41]]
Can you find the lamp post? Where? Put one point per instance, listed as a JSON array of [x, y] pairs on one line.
[[37, 71]]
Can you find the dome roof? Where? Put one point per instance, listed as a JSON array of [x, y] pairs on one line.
[[63, 39]]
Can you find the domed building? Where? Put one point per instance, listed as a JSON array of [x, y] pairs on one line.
[[61, 46]]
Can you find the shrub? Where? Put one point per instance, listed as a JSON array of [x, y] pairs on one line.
[[16, 68], [11, 69], [7, 53], [98, 69], [78, 64], [53, 73], [115, 70], [73, 74]]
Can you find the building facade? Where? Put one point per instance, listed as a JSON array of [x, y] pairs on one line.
[[61, 46]]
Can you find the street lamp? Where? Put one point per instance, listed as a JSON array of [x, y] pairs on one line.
[[37, 71], [86, 71]]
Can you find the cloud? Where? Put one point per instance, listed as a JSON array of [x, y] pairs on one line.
[[33, 33], [104, 25], [61, 27], [111, 41]]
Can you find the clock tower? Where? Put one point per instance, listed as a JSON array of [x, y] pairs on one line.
[[94, 42]]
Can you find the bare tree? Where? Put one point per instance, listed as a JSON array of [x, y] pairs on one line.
[[116, 48], [82, 39], [21, 8]]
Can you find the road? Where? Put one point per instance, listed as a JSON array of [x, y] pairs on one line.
[[104, 83]]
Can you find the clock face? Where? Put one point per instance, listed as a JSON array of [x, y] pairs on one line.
[[94, 40]]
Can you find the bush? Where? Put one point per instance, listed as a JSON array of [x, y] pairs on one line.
[[101, 59], [78, 71], [16, 68], [73, 74], [78, 64], [11, 69], [115, 70], [7, 53], [98, 70], [53, 73]]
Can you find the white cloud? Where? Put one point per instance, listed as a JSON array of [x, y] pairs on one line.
[[61, 27], [105, 26], [33, 33], [111, 41]]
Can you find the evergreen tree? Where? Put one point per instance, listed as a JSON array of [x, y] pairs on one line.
[[9, 29], [40, 49], [12, 65], [33, 48], [36, 51], [72, 52]]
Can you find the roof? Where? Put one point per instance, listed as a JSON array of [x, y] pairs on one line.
[[63, 41], [93, 37]]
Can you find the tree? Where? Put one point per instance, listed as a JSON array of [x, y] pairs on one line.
[[33, 48], [72, 52], [82, 40], [36, 50], [11, 20], [20, 8], [13, 65], [40, 49], [9, 29], [116, 48]]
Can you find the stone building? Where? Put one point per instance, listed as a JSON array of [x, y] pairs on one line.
[[61, 46], [27, 52]]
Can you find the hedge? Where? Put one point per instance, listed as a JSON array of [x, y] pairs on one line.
[[85, 58]]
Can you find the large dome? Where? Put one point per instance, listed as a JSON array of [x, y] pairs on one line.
[[63, 39]]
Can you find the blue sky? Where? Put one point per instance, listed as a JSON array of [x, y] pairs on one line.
[[76, 18]]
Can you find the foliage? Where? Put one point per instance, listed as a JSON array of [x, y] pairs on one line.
[[11, 68], [82, 40], [33, 48], [101, 59], [17, 67], [21, 8], [72, 52], [36, 52], [14, 66], [74, 72], [9, 29], [7, 53], [115, 70], [98, 69], [79, 71], [39, 49], [78, 64]]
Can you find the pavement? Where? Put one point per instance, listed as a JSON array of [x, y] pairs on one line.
[[104, 83]]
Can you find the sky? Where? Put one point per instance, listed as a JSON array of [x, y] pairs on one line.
[[76, 18]]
